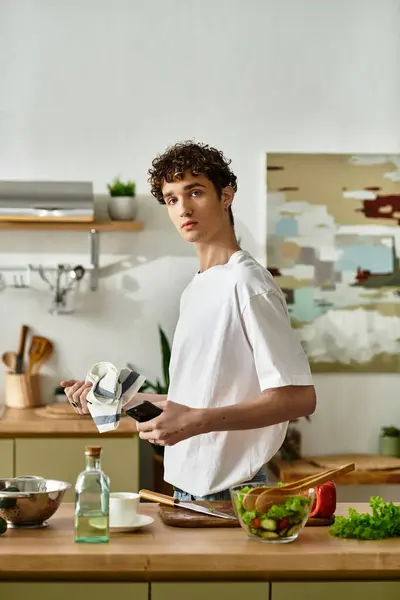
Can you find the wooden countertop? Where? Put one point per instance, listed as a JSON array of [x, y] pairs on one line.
[[29, 423], [289, 472], [161, 553]]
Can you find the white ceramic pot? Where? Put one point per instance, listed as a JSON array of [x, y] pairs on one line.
[[122, 208]]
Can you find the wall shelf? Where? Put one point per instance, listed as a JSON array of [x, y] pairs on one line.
[[19, 225], [92, 227]]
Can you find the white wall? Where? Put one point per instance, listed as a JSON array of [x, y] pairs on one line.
[[94, 88]]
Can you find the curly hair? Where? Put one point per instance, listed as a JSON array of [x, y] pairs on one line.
[[199, 159]]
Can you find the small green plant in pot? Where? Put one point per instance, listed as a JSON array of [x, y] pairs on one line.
[[389, 441], [122, 205]]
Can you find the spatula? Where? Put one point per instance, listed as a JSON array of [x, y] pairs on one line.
[[37, 351], [46, 353]]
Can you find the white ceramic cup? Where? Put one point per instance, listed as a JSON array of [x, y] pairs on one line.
[[123, 508]]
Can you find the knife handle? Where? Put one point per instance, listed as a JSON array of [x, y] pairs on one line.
[[155, 497]]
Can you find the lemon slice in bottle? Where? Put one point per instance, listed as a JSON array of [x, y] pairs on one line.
[[98, 523]]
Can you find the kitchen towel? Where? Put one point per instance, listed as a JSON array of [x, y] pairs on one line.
[[112, 388]]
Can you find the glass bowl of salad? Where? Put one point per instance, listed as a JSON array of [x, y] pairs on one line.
[[272, 518]]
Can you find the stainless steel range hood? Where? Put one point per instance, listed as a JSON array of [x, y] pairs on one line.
[[46, 200]]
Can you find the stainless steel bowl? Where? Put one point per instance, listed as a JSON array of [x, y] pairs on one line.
[[36, 500]]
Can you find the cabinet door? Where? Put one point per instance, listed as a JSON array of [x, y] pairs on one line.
[[6, 458], [210, 591], [371, 590], [64, 459], [77, 591]]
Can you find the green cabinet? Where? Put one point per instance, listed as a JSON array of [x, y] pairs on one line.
[[64, 459], [6, 458], [77, 591], [209, 591], [351, 590]]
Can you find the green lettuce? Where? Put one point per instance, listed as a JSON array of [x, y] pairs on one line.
[[384, 522]]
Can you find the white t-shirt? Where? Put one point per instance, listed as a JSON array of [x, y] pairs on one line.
[[232, 341]]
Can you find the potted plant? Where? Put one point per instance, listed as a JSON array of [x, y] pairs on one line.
[[389, 441], [160, 387], [122, 205]]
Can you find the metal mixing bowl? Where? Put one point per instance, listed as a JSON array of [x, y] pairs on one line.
[[36, 501]]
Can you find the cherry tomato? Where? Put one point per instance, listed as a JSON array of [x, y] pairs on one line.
[[283, 524]]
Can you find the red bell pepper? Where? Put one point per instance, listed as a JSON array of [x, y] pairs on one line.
[[325, 500]]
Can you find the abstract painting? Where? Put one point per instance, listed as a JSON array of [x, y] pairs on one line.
[[333, 246]]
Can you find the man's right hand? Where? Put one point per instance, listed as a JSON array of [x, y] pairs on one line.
[[76, 392]]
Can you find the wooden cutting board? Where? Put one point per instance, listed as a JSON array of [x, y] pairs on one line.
[[364, 462], [181, 517], [62, 410]]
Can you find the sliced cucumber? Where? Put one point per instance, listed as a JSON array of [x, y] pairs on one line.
[[268, 524], [293, 530], [270, 535], [284, 532]]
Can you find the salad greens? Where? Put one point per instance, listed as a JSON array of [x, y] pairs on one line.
[[280, 521], [384, 522]]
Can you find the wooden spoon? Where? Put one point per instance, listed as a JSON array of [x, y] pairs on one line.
[[249, 501], [10, 360]]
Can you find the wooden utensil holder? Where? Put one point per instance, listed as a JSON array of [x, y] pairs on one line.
[[22, 391]]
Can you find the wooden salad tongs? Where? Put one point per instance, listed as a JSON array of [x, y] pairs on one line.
[[261, 498]]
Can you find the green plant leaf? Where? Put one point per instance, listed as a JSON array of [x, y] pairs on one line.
[[119, 188], [391, 431], [148, 386], [166, 355]]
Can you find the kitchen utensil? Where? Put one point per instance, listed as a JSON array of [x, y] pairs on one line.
[[46, 353], [38, 348], [318, 479], [10, 360], [249, 500], [170, 501], [174, 516], [36, 501], [77, 273], [277, 495], [19, 368]]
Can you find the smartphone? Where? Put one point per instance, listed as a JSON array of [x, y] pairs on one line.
[[144, 411]]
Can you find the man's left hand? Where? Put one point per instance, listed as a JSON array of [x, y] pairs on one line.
[[177, 422]]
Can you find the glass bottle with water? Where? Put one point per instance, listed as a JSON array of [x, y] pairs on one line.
[[92, 493]]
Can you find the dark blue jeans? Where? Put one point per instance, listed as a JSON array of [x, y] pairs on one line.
[[260, 477]]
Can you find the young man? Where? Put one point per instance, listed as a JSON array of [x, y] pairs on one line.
[[238, 372]]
